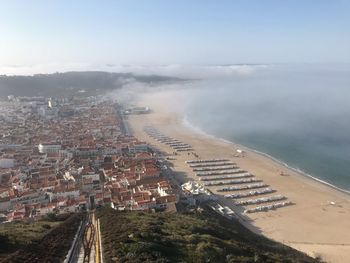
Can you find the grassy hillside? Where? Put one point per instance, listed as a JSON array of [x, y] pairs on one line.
[[16, 235], [42, 241], [201, 237]]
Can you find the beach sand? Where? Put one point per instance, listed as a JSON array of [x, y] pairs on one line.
[[313, 224]]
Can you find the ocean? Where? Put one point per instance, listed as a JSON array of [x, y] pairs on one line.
[[299, 115]]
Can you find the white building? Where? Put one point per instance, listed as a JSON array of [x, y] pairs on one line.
[[49, 148]]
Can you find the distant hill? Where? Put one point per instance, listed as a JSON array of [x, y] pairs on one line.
[[200, 237], [85, 83]]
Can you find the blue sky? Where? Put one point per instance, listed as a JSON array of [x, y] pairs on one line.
[[177, 31]]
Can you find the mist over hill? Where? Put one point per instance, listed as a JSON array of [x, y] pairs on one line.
[[87, 83]]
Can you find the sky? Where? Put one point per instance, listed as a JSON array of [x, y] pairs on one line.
[[156, 32]]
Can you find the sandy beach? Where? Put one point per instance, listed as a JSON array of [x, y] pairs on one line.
[[318, 222]]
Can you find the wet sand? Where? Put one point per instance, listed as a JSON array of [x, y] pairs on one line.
[[319, 221]]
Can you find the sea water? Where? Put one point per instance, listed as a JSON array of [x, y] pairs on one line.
[[298, 115]]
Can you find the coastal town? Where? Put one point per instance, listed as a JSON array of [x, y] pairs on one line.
[[73, 156], [60, 156], [69, 155]]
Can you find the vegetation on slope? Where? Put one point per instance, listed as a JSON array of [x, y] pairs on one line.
[[17, 235], [43, 241], [201, 237]]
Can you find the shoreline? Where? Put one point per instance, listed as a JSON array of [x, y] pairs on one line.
[[316, 224], [197, 129]]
